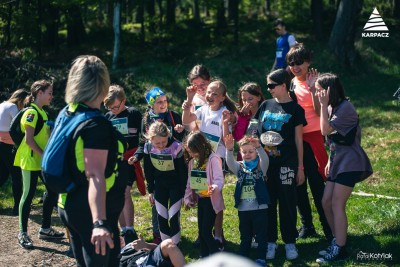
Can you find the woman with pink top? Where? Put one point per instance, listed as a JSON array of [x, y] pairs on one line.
[[315, 156], [250, 98], [204, 188]]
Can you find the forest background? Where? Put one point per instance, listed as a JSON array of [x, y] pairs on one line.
[[156, 42]]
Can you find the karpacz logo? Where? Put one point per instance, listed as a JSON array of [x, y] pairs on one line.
[[375, 26], [215, 123]]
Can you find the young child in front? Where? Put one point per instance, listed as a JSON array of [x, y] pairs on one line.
[[211, 124], [251, 195], [204, 188], [166, 175]]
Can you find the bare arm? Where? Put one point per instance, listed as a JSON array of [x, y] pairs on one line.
[[299, 146], [6, 138], [187, 115], [312, 77], [323, 98], [95, 164]]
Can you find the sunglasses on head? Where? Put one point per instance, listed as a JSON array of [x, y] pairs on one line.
[[296, 63], [272, 85]]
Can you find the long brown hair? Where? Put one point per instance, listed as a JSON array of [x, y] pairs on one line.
[[197, 143]]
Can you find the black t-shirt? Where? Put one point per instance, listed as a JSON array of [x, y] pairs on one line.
[[281, 118], [129, 123], [96, 133]]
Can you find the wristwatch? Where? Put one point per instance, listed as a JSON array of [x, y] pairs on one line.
[[102, 224]]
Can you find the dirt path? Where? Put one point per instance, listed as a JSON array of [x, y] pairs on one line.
[[45, 253]]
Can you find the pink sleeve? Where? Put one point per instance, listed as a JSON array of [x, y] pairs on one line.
[[241, 126], [217, 175]]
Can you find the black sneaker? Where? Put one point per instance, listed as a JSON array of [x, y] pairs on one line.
[[220, 245], [49, 233], [130, 236], [328, 249], [336, 253], [306, 232], [24, 240]]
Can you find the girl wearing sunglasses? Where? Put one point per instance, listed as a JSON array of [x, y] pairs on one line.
[[280, 124], [315, 156]]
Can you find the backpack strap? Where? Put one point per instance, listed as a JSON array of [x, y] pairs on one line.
[[171, 119]]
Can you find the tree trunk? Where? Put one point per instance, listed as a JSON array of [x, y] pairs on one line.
[[221, 20], [317, 9], [396, 9], [7, 30], [52, 24], [140, 19], [160, 7], [342, 37], [117, 32], [38, 25], [196, 10], [171, 6], [151, 11], [234, 15], [75, 29], [267, 7]]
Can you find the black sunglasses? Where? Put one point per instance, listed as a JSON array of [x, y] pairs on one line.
[[272, 85], [297, 63]]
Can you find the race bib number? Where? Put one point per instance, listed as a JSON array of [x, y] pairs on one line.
[[198, 180], [278, 53], [121, 125], [162, 162], [213, 139], [248, 190]]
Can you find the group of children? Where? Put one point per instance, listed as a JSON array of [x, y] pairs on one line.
[[186, 157]]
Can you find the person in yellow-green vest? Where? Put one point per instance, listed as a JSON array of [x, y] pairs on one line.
[[92, 210], [34, 122]]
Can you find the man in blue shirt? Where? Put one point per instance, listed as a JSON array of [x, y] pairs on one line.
[[283, 43]]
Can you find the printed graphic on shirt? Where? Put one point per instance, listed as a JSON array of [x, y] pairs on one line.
[[287, 176], [274, 121], [163, 162], [213, 139], [279, 52], [121, 124], [253, 127], [30, 117]]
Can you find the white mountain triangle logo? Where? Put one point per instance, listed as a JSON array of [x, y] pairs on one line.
[[375, 22]]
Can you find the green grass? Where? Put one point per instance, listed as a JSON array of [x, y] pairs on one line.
[[374, 224]]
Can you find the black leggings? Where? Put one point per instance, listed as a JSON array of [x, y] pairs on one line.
[[77, 217], [317, 187], [30, 179], [168, 199], [206, 219], [7, 167]]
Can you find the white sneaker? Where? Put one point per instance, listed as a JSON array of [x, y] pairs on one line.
[[291, 251], [271, 249]]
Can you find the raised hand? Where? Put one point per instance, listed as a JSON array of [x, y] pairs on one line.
[[312, 77], [179, 128], [255, 142], [245, 110], [226, 116], [323, 96], [191, 91], [229, 143]]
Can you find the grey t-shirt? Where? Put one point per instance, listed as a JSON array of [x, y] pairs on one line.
[[347, 158]]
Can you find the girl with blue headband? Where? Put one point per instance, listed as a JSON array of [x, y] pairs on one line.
[[158, 111]]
